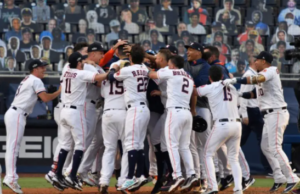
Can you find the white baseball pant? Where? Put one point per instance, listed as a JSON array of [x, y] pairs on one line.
[[56, 114], [271, 145], [96, 148], [152, 158], [222, 155], [15, 121], [178, 128], [202, 137], [113, 125], [244, 165], [73, 127], [137, 120], [230, 134], [195, 154]]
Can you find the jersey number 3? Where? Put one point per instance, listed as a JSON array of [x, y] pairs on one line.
[[68, 86], [227, 95]]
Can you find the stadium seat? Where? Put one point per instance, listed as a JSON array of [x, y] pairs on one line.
[[148, 2], [179, 2], [115, 2], [212, 3]]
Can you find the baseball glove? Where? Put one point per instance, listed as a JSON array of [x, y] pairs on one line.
[[124, 63], [199, 124]]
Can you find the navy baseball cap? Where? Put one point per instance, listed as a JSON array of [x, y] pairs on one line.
[[95, 47], [36, 63], [196, 46], [171, 48], [74, 58], [265, 56]]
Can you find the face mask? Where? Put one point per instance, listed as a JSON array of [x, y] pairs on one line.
[[289, 21]]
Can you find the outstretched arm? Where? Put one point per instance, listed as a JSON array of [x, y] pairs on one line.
[[46, 97]]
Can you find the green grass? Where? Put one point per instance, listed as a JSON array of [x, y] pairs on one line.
[[40, 182]]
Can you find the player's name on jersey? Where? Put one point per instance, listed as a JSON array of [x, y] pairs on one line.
[[70, 75], [179, 72], [139, 72]]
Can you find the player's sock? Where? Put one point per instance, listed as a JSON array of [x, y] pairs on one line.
[[168, 161], [61, 161], [140, 163], [159, 161], [132, 159], [54, 166], [76, 162]]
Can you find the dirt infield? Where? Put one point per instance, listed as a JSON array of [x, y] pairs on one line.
[[143, 190]]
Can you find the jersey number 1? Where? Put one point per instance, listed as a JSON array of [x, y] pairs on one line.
[[68, 86]]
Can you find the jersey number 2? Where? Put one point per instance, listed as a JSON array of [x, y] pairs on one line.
[[68, 86], [227, 95], [185, 85]]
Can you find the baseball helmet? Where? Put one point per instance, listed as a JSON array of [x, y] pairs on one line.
[[199, 124]]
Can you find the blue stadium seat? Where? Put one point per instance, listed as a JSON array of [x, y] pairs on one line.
[[179, 2], [116, 2]]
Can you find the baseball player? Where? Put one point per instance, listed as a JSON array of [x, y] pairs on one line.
[[73, 124], [95, 53], [157, 136], [26, 96], [82, 49], [178, 125], [226, 129], [276, 118], [113, 123], [135, 82]]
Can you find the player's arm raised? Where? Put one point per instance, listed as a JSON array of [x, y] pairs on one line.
[[46, 97]]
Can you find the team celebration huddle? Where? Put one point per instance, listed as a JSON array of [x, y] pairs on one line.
[[189, 112]]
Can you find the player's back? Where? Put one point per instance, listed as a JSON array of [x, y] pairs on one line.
[[222, 100], [113, 93], [179, 87], [270, 92], [135, 80], [74, 86], [26, 94]]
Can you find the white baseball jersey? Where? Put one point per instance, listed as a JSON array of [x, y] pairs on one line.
[[179, 87], [270, 93], [27, 93], [162, 85], [222, 100], [135, 82], [113, 93], [244, 103], [74, 87]]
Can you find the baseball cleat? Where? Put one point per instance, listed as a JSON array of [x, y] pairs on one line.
[[75, 184], [14, 186], [103, 189], [218, 178], [238, 192], [140, 182], [59, 182], [154, 180], [87, 180], [48, 179], [226, 182], [275, 187], [210, 191], [189, 183], [128, 183], [247, 183], [176, 184], [290, 186], [167, 183]]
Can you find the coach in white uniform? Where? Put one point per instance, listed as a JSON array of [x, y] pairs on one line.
[[26, 96], [276, 118], [73, 124]]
